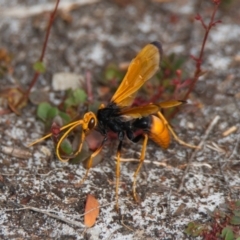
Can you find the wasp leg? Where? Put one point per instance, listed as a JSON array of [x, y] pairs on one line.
[[173, 133], [89, 164], [142, 157], [118, 171]]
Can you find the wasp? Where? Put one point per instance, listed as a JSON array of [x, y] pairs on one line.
[[125, 120]]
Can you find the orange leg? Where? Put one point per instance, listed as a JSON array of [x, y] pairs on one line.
[[142, 157], [118, 172], [89, 163]]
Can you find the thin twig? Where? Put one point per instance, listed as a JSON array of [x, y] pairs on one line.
[[209, 129], [48, 173], [169, 204], [29, 11], [229, 131], [68, 221], [145, 161], [226, 185], [49, 213], [197, 164], [215, 147], [122, 222], [15, 151], [235, 150]]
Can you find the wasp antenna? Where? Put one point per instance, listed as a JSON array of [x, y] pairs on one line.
[[77, 123], [40, 139]]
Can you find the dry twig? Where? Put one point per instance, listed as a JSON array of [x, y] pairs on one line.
[[63, 219], [209, 129], [15, 151], [234, 152], [24, 12]]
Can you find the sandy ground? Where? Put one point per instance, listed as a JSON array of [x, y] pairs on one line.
[[176, 186]]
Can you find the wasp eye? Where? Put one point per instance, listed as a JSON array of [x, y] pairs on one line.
[[91, 123]]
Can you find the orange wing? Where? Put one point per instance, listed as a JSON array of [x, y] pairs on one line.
[[143, 111], [141, 69]]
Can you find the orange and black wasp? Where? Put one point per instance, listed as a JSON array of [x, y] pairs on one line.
[[123, 119]]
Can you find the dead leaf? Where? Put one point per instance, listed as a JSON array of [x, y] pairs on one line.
[[103, 91], [16, 99], [26, 200], [5, 62], [91, 211]]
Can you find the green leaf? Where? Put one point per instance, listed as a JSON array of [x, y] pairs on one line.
[[69, 102], [66, 147], [42, 110], [65, 117], [111, 72], [236, 213], [79, 96], [81, 157], [52, 113], [193, 229], [237, 203], [75, 98], [228, 234], [39, 67], [178, 63], [94, 106], [235, 220]]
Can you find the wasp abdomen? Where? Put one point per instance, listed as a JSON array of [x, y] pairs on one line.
[[155, 128], [158, 132]]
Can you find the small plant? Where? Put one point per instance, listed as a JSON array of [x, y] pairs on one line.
[[17, 97], [174, 81], [54, 118], [225, 224]]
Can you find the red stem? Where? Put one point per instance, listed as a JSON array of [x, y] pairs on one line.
[[88, 78], [50, 23], [200, 58]]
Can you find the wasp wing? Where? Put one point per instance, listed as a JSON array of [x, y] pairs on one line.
[[141, 69], [138, 112], [170, 103], [146, 110]]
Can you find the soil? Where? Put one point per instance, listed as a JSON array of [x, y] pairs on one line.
[[176, 186]]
